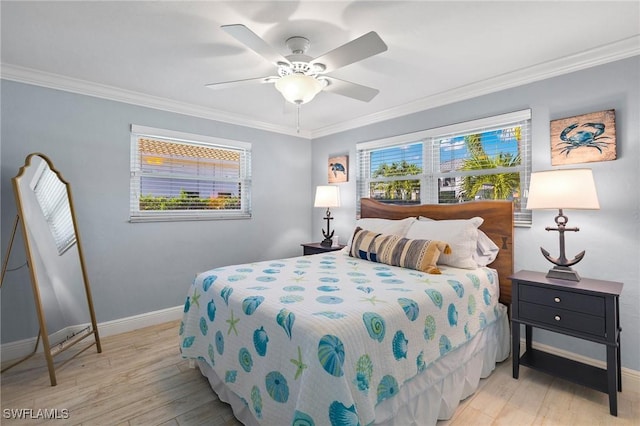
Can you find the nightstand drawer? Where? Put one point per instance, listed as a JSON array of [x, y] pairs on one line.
[[592, 305], [562, 318]]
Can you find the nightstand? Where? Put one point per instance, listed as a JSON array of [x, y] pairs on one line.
[[315, 248], [587, 309]]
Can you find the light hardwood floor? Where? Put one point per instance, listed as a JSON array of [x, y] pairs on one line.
[[140, 379]]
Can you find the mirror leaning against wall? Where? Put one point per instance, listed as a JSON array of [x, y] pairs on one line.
[[55, 260]]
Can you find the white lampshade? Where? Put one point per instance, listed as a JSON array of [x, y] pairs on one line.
[[327, 196], [299, 88], [563, 189]]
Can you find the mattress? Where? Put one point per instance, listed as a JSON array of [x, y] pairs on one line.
[[331, 339]]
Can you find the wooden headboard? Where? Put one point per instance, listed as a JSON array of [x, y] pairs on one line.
[[498, 225]]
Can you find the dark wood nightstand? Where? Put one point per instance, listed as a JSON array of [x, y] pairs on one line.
[[588, 309], [315, 248]]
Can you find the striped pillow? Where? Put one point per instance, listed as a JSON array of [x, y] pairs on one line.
[[394, 250]]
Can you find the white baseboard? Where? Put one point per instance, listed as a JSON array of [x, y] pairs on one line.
[[630, 378], [21, 348]]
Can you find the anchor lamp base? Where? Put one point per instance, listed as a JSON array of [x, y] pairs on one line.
[[563, 273]]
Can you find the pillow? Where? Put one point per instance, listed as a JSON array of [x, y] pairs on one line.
[[486, 250], [383, 226], [461, 235], [394, 250]]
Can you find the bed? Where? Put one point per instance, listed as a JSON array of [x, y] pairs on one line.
[[337, 338]]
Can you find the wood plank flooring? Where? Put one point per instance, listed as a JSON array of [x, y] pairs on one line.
[[140, 379]]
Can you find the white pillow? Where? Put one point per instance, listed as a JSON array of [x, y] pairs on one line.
[[486, 250], [461, 235], [383, 226]]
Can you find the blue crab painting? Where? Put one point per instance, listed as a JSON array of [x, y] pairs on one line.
[[584, 138]]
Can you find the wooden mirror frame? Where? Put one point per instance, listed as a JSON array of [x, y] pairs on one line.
[[92, 329]]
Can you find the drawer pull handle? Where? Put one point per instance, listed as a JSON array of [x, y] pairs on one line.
[[556, 299], [557, 317]]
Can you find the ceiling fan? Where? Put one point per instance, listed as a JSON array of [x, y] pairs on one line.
[[300, 77]]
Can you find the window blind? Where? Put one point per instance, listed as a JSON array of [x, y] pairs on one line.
[[489, 158], [52, 196], [177, 176]]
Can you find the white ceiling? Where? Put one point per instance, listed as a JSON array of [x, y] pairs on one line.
[[161, 54]]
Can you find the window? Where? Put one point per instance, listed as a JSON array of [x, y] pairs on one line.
[[481, 159], [51, 194], [179, 176]]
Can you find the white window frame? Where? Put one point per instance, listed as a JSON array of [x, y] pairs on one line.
[[244, 148], [429, 177]]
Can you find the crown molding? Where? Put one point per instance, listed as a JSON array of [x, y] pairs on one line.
[[589, 58], [83, 87], [622, 49]]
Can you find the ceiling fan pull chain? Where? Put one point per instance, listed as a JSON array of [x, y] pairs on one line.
[[297, 117]]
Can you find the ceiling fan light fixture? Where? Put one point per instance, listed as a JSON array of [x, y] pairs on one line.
[[299, 88]]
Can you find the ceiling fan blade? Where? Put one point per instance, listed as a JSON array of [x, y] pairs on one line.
[[235, 83], [356, 50], [254, 42], [349, 89]]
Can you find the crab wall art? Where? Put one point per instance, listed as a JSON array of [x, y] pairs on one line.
[[584, 138]]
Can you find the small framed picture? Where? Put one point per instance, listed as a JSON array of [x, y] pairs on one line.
[[584, 138], [338, 169]]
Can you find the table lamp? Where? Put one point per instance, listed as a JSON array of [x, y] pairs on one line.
[[562, 189], [327, 196]]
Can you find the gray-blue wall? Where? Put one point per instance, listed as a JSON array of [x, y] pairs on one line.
[[610, 236], [136, 268]]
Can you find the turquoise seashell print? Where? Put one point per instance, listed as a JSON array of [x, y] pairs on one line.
[[392, 281], [302, 419], [293, 288], [471, 305], [399, 345], [435, 296], [188, 341], [467, 334], [364, 289], [331, 355], [247, 270], [187, 304], [410, 307], [250, 304], [474, 280], [491, 275], [445, 345], [429, 328], [483, 320], [225, 293], [360, 280], [256, 401], [208, 282], [375, 325], [420, 364], [277, 387], [486, 296], [364, 371], [271, 271], [329, 279], [452, 315], [292, 298], [234, 278], [211, 354], [330, 314], [328, 288], [387, 388], [385, 274], [356, 274], [211, 310], [286, 319], [330, 300], [219, 342], [339, 415], [181, 328], [265, 279], [230, 376], [277, 265], [260, 340], [457, 287], [203, 326], [245, 360]]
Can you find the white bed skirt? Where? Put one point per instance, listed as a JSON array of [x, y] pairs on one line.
[[432, 395]]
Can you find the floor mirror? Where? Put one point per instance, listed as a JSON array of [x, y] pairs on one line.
[[56, 263]]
